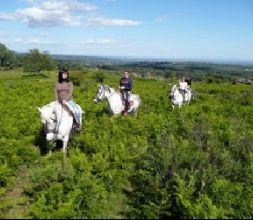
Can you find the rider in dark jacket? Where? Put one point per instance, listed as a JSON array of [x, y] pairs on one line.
[[189, 81], [125, 89]]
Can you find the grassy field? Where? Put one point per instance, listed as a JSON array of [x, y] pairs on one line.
[[196, 162]]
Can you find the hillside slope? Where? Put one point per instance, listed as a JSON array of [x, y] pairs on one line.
[[196, 162]]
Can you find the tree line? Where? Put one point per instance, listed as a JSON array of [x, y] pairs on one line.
[[34, 61]]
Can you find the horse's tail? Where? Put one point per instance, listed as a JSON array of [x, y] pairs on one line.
[[194, 94], [138, 103], [138, 99]]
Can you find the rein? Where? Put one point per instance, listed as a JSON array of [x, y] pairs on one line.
[[58, 125]]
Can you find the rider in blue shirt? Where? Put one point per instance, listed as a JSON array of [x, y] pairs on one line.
[[126, 86]]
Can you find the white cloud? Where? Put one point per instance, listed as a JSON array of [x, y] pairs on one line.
[[7, 16], [50, 13], [38, 17], [67, 5], [32, 41], [112, 22], [19, 40], [28, 1], [99, 42]]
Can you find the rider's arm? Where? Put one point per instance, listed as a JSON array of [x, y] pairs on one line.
[[70, 90], [121, 86], [130, 85]]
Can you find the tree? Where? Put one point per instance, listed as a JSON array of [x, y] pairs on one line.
[[99, 76], [35, 61], [8, 59]]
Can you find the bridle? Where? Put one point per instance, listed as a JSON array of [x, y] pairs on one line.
[[101, 94]]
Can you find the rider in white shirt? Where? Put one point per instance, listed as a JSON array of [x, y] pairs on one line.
[[183, 87]]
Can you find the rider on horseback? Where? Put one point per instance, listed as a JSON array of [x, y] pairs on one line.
[[125, 90], [188, 80], [183, 87], [64, 94]]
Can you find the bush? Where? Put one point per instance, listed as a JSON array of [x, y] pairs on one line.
[[193, 162]]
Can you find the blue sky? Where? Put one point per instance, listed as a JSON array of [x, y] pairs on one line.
[[174, 29]]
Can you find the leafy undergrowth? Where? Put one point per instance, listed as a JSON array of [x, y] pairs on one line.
[[196, 162]]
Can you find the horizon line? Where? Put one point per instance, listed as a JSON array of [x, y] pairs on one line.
[[150, 58]]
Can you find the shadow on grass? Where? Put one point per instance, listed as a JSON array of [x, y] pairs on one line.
[[44, 145], [40, 140]]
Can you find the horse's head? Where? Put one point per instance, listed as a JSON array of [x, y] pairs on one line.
[[49, 120], [45, 113], [102, 93], [173, 89]]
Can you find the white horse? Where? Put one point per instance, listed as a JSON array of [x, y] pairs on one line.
[[116, 105], [177, 97], [58, 122]]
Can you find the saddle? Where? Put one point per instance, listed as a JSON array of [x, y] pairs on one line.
[[124, 102], [77, 125], [131, 103], [182, 91]]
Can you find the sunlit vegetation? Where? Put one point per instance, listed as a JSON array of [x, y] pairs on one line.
[[194, 162]]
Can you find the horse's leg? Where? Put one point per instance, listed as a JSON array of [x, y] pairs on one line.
[[135, 107], [189, 99], [50, 147], [135, 111], [64, 149]]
